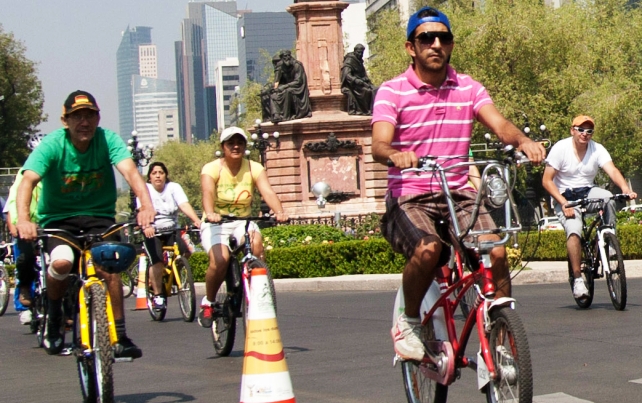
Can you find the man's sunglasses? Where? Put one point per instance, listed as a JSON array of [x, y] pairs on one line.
[[428, 38], [582, 130]]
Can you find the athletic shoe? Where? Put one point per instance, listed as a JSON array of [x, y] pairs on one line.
[[25, 317], [407, 340], [206, 316], [159, 303], [24, 296], [579, 288], [125, 348], [54, 338]]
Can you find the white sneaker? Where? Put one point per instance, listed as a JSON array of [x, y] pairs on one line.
[[579, 288], [406, 338], [25, 317]]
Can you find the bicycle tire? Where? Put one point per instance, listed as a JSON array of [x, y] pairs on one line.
[[616, 278], [128, 279], [512, 359], [224, 324], [156, 314], [586, 268], [95, 371], [254, 264], [5, 289], [419, 388], [186, 291]]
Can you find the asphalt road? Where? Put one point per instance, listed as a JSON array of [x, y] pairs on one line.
[[338, 349]]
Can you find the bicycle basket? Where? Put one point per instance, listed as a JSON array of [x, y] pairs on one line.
[[114, 257]]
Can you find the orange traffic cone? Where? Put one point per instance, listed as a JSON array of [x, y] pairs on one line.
[[141, 297], [265, 373]]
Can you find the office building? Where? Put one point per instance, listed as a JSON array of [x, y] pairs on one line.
[[227, 73], [148, 61], [151, 95], [208, 35], [260, 37], [128, 65], [168, 127]]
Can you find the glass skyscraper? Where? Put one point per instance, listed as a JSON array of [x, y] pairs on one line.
[[150, 96], [128, 65]]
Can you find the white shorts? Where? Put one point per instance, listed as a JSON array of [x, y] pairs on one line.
[[214, 234]]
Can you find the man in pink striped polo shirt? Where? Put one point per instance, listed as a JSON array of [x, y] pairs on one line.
[[430, 110]]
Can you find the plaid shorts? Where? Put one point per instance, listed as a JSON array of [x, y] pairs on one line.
[[410, 218]]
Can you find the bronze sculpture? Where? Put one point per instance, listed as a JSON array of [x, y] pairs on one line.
[[289, 97], [355, 83]]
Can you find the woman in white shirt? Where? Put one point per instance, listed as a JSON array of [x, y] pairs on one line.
[[168, 197]]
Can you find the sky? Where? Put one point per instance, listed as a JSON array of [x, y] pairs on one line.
[[74, 43]]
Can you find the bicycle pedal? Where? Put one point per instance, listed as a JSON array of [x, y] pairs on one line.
[[123, 359]]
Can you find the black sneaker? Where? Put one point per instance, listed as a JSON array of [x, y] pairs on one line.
[[125, 348], [54, 340], [159, 303]]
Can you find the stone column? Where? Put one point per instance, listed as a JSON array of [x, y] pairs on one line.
[[319, 47]]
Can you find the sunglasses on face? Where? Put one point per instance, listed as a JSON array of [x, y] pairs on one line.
[[428, 38], [582, 130]]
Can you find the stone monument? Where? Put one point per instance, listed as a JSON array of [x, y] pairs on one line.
[[331, 146]]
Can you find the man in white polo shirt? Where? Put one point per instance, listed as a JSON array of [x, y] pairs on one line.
[[571, 168]]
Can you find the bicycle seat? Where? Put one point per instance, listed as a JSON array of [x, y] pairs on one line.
[[114, 257]]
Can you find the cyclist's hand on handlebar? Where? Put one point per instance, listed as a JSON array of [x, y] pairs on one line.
[[213, 217], [281, 217], [535, 151], [149, 231], [145, 218], [403, 160], [27, 230]]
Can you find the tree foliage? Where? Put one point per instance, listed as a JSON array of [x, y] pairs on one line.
[[545, 63], [21, 100]]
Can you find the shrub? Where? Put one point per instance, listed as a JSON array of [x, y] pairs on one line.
[[285, 236]]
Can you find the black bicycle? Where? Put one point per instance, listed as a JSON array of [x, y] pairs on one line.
[[601, 255], [232, 297]]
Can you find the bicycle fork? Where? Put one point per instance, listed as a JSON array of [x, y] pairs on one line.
[[85, 339], [601, 246]]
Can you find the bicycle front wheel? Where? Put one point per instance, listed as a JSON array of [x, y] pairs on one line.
[[186, 292], [419, 388], [254, 264], [95, 368], [224, 324], [129, 278], [4, 289], [586, 267], [156, 314], [616, 277], [511, 358]]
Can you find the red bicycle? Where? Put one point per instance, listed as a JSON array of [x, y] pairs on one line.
[[502, 362]]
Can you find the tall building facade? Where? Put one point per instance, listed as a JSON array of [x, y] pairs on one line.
[[260, 36], [168, 125], [151, 95], [227, 73], [148, 61], [207, 33], [127, 66]]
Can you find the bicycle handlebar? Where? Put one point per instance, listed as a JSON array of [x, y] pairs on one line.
[[230, 218], [86, 238], [586, 201]]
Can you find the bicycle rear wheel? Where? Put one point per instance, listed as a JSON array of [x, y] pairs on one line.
[[586, 267], [253, 265], [186, 292], [95, 368], [419, 388], [511, 357], [4, 289], [224, 324], [156, 314], [616, 278]]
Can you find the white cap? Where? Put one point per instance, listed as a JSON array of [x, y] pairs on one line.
[[231, 131]]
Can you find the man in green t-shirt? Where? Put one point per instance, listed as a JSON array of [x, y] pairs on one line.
[[74, 164]]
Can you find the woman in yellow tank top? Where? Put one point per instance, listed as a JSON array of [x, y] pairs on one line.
[[227, 184]]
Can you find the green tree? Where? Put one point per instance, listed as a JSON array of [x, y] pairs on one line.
[[21, 100], [549, 64]]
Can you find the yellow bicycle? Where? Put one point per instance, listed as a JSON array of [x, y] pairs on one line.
[[94, 329], [177, 280]]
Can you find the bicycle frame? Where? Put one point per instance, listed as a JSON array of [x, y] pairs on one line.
[[170, 267]]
